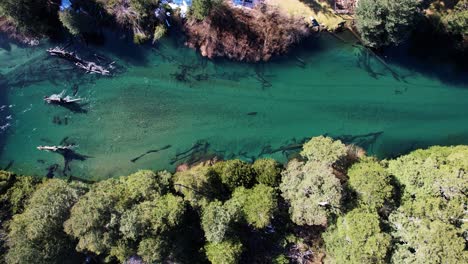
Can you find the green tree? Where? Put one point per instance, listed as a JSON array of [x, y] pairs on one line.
[[371, 182], [457, 19], [385, 22], [32, 16], [7, 179], [324, 149], [76, 22], [268, 171], [257, 205], [201, 8], [358, 238], [227, 252], [198, 185], [36, 235], [235, 173], [423, 241], [15, 190], [215, 221], [117, 215], [434, 182], [313, 192]]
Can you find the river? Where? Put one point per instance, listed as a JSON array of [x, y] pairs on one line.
[[165, 105]]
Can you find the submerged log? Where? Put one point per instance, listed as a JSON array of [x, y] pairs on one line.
[[55, 148], [88, 66]]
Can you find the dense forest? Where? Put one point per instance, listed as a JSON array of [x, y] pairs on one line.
[[331, 203]]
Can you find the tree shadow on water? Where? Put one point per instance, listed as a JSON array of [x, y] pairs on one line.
[[433, 53]]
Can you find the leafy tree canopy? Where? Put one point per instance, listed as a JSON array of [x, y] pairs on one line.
[[117, 215], [32, 16], [323, 149], [235, 173], [358, 238], [198, 185], [36, 235], [15, 190], [76, 22], [385, 22], [371, 181], [268, 171], [215, 221], [257, 205], [226, 252], [457, 19], [434, 181], [425, 241], [313, 192], [201, 8]]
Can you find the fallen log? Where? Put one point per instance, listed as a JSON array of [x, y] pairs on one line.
[[55, 148], [60, 99], [88, 66]]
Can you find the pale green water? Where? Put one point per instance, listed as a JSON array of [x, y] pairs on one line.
[[145, 107]]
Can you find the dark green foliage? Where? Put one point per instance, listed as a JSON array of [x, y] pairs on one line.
[[268, 171], [357, 238], [215, 221], [257, 205], [324, 150], [235, 173], [313, 192], [144, 7], [6, 181], [429, 223], [457, 19], [423, 241], [385, 22], [227, 252], [32, 16], [77, 22], [198, 185], [201, 8], [120, 217], [36, 235], [371, 182]]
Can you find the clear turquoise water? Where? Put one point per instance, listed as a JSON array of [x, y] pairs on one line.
[[171, 96]]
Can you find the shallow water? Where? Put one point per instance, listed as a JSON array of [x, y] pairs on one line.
[[180, 107]]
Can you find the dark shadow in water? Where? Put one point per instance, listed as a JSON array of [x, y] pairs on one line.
[[120, 44], [149, 152], [432, 53], [76, 108], [4, 43], [366, 141], [199, 152]]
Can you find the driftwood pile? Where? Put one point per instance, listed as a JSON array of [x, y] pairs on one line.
[[88, 66]]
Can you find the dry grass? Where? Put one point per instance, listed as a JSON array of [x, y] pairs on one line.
[[321, 10]]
